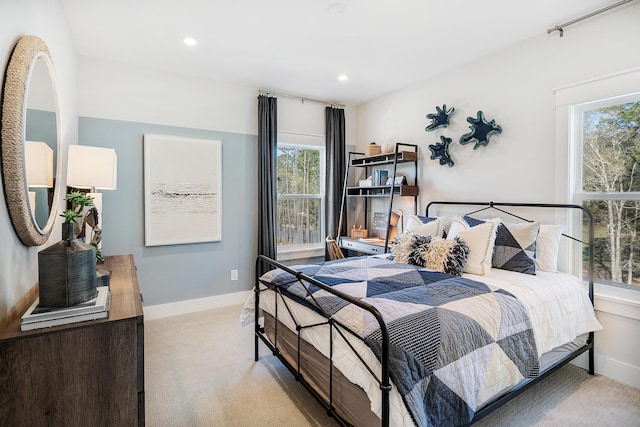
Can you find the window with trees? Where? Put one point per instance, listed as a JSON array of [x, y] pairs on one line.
[[300, 188], [606, 139]]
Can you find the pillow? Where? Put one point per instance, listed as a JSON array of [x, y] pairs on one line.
[[435, 253], [414, 221], [480, 240], [405, 248], [445, 224], [515, 245], [431, 228], [445, 255], [548, 247]]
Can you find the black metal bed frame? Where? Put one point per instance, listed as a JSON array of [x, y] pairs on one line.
[[384, 379]]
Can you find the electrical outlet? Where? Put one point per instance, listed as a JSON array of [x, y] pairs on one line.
[[234, 274]]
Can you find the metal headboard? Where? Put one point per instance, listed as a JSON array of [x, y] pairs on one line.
[[499, 205]]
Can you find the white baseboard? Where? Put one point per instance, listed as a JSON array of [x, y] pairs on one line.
[[189, 306], [617, 370], [611, 368]]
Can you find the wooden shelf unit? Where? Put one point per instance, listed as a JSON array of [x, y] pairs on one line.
[[404, 153], [81, 374]]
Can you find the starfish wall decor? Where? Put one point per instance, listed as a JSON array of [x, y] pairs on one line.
[[440, 118], [481, 130], [441, 151]]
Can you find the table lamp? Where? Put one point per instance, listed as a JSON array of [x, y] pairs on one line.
[[93, 168]]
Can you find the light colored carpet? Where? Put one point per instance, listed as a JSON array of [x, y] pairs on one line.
[[199, 371]]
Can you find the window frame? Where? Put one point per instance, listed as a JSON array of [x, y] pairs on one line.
[[608, 299], [315, 142], [576, 150]]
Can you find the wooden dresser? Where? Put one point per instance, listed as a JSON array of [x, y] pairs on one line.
[[83, 374]]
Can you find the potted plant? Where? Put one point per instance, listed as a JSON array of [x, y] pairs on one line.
[[78, 201]]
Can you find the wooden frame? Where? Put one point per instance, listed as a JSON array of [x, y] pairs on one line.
[[182, 190]]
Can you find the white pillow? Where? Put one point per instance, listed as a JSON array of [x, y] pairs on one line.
[[431, 228], [547, 247], [414, 221], [445, 223], [480, 240]]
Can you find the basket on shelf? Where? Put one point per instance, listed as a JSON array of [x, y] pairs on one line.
[[358, 233], [373, 149]]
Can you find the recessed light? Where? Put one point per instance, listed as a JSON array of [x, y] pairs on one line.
[[337, 8], [189, 41], [343, 77]]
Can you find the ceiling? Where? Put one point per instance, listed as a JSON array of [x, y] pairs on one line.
[[301, 46]]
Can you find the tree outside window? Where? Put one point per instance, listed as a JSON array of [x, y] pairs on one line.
[[610, 185], [300, 173]]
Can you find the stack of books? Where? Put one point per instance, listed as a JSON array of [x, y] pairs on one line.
[[44, 317]]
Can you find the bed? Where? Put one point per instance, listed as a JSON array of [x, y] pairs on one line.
[[391, 342]]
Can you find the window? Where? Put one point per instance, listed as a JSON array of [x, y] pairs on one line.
[[300, 188], [606, 179]]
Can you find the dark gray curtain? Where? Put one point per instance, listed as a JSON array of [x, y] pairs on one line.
[[335, 168], [267, 196]]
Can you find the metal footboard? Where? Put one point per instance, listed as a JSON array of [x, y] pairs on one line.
[[334, 325]]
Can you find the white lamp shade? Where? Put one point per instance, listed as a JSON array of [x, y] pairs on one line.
[[92, 167], [39, 164]]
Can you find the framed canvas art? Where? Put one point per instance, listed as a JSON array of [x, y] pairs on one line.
[[182, 190]]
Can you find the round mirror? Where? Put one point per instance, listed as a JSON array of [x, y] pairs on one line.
[[31, 141]]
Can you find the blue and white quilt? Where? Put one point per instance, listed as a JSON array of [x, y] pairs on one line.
[[454, 342]]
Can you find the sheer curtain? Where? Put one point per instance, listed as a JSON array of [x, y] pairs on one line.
[[335, 168], [267, 197]]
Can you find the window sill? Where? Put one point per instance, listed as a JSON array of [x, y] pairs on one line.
[[617, 300], [300, 253]]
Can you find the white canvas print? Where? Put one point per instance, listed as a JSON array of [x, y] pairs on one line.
[[182, 190]]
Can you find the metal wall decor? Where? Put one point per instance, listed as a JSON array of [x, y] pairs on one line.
[[440, 118], [481, 130], [441, 151]]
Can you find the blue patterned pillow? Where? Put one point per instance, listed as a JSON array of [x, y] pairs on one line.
[[515, 245]]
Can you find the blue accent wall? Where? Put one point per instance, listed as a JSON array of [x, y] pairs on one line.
[[179, 272]]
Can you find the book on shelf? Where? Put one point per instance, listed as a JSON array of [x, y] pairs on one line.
[[43, 317], [380, 177]]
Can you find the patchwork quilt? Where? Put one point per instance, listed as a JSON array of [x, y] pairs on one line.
[[454, 342]]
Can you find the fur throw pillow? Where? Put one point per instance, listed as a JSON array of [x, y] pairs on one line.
[[406, 247], [447, 256], [434, 253]]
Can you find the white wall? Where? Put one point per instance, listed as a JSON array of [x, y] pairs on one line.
[[514, 87], [110, 90], [42, 18], [525, 163]]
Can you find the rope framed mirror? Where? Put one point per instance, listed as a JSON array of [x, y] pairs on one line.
[[30, 111]]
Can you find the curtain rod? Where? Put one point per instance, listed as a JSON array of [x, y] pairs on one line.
[[301, 98], [560, 27]]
